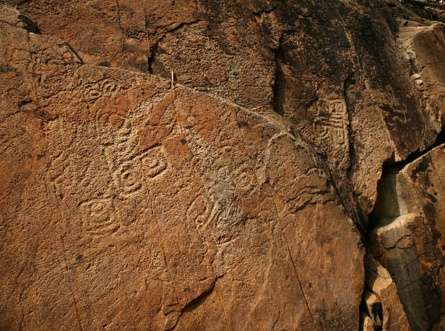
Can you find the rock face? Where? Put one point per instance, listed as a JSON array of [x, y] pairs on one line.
[[384, 310], [408, 240], [217, 165], [131, 205], [336, 70]]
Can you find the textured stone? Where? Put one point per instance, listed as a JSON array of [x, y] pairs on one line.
[[215, 165], [384, 309], [336, 70], [408, 240], [127, 204]]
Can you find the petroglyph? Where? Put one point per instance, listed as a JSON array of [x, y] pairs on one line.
[[306, 184], [153, 162], [98, 216], [244, 178], [331, 122], [201, 212], [123, 200], [328, 129], [127, 179], [139, 170], [395, 116], [56, 174], [98, 89], [107, 123], [58, 55]]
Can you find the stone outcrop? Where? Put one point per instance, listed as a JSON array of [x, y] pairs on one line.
[[335, 70], [383, 308], [408, 238], [221, 165], [132, 205]]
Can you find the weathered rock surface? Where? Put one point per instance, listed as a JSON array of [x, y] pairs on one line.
[[336, 69], [384, 309], [408, 240], [211, 165], [128, 205]]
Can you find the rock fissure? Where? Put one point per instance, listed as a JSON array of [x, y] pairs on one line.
[[425, 3], [154, 49], [267, 11], [300, 285], [29, 25], [392, 237], [348, 87], [279, 81], [195, 303], [396, 166]]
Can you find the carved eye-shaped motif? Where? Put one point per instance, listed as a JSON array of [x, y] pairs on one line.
[[244, 178], [91, 92], [153, 163], [108, 87], [111, 127], [98, 208], [132, 174], [199, 211], [97, 214], [337, 106], [128, 178]]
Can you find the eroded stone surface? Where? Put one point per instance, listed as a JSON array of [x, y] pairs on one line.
[[130, 205], [336, 70], [384, 309], [132, 199], [409, 240]]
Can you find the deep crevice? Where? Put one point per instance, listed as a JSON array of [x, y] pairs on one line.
[[153, 50], [348, 87], [347, 200], [29, 25], [195, 303], [151, 57], [390, 169], [399, 165], [386, 208], [73, 51], [279, 82], [425, 3]]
